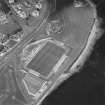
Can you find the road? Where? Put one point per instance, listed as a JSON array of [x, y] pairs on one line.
[[23, 41]]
